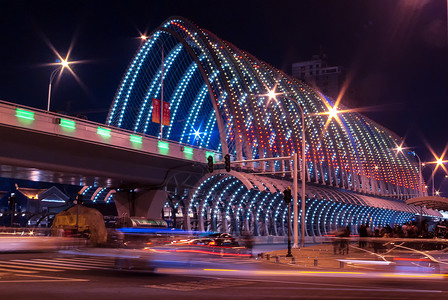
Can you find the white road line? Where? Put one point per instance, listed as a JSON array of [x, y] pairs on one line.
[[43, 279], [65, 263], [26, 267], [89, 261], [17, 271], [35, 263], [83, 262], [99, 259], [51, 262]]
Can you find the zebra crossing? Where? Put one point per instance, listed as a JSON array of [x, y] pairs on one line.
[[189, 286], [59, 264]]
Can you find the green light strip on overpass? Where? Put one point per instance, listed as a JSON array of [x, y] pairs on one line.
[[164, 145], [188, 150], [24, 114], [136, 139], [103, 131], [69, 124], [212, 154]]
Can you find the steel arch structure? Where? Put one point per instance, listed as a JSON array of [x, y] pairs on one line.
[[234, 202], [211, 86], [213, 89]]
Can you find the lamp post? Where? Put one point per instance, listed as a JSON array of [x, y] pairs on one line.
[[272, 95], [333, 111], [420, 193], [61, 65], [439, 162], [287, 197], [144, 37], [420, 173]]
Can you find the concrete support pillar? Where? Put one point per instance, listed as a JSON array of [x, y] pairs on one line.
[[224, 225], [201, 218], [186, 213], [140, 203]]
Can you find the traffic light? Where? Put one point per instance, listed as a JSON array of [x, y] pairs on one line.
[[79, 199], [227, 162], [287, 195], [210, 163]]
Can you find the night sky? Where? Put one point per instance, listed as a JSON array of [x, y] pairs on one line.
[[395, 51]]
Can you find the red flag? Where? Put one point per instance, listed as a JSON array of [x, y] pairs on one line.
[[156, 110], [166, 113]]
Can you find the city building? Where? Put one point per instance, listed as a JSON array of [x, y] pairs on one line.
[[317, 73]]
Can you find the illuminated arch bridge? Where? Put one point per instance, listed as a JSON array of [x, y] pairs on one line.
[[213, 89]]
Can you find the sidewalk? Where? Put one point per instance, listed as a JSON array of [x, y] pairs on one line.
[[318, 256]]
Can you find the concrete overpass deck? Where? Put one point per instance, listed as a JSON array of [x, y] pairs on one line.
[[45, 146]]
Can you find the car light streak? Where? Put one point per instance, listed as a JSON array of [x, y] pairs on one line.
[[213, 253], [415, 275], [221, 270], [410, 259]]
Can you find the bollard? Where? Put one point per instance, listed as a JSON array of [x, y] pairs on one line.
[[277, 259], [293, 260], [268, 256], [341, 264], [316, 262]]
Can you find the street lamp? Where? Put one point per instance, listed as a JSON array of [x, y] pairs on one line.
[[419, 170], [144, 38], [273, 95], [439, 162], [420, 193], [420, 173], [400, 149], [64, 63], [332, 112]]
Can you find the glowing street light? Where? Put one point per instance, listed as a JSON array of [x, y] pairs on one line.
[[273, 96], [64, 63], [400, 149], [439, 162], [332, 112]]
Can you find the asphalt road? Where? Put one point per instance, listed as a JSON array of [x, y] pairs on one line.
[[171, 275]]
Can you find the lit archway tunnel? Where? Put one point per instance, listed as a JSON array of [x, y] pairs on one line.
[[213, 90], [241, 202]]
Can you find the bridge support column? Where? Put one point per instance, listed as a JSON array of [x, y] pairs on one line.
[[186, 214], [140, 203]]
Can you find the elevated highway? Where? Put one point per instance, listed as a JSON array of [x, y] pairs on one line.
[[44, 146]]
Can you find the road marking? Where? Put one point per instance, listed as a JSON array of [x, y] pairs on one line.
[[64, 263], [78, 261], [92, 260], [21, 266], [34, 263], [44, 279], [17, 271], [187, 286]]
